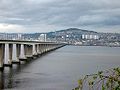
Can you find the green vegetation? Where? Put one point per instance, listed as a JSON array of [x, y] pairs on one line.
[[103, 80]]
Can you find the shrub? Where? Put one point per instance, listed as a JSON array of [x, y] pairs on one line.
[[103, 80]]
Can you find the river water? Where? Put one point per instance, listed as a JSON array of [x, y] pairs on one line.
[[60, 69]]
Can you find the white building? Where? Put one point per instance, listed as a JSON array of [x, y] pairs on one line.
[[42, 37], [91, 36]]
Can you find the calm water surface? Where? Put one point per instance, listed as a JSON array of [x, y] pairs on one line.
[[60, 69]]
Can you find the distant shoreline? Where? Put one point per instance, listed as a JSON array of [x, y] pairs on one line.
[[94, 45]]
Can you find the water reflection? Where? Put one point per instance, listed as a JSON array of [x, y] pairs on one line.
[[6, 77], [1, 80], [9, 81]]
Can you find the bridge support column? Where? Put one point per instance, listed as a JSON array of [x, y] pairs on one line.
[[22, 52], [1, 56], [34, 50], [50, 47], [47, 48], [14, 54], [38, 49], [42, 48], [7, 60], [29, 53]]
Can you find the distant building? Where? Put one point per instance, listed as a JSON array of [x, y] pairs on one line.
[[42, 37], [19, 36], [84, 36], [10, 36]]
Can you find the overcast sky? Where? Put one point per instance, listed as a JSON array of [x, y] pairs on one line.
[[50, 15]]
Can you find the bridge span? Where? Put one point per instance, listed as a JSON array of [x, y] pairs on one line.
[[15, 51]]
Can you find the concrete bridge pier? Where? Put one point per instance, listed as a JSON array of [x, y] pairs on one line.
[[57, 46], [50, 47], [22, 56], [15, 58], [8, 55], [38, 50], [1, 56], [29, 51], [45, 48], [42, 48], [34, 50]]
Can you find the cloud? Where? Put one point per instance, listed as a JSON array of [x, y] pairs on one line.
[[11, 28], [47, 15]]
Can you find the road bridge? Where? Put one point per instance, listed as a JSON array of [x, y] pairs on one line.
[[15, 51]]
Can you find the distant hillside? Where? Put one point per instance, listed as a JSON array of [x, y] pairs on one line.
[[71, 32], [76, 30]]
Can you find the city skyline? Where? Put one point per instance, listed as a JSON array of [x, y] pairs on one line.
[[24, 16]]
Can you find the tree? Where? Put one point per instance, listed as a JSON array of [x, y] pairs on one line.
[[103, 80]]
